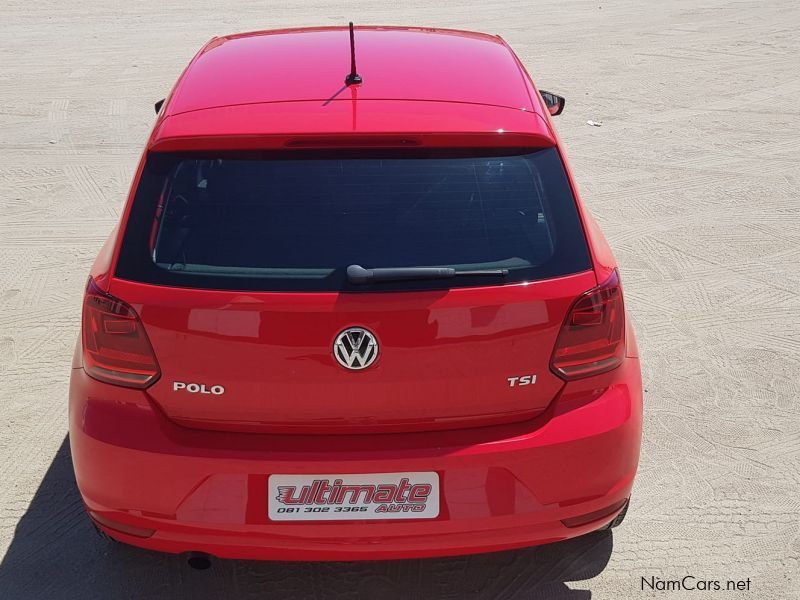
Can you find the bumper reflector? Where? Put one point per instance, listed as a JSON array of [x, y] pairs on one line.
[[594, 516], [141, 532]]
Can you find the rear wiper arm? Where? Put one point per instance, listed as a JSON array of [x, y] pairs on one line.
[[359, 275]]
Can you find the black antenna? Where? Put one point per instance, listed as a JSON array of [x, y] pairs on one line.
[[353, 77]]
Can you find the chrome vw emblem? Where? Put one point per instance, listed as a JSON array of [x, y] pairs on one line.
[[355, 348]]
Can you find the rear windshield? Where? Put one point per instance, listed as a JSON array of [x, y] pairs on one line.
[[296, 221]]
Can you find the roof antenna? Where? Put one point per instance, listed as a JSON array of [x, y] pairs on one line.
[[353, 76]]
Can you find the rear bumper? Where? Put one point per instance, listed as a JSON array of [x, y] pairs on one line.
[[501, 487]]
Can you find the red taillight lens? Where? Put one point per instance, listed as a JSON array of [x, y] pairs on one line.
[[592, 339], [115, 346]]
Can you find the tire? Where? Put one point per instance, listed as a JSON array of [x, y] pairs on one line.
[[103, 535], [620, 517]]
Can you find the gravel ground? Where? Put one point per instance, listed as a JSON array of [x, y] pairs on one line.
[[692, 175]]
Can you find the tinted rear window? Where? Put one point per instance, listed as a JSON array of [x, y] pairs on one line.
[[295, 221]]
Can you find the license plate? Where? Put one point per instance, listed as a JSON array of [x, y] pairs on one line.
[[353, 497]]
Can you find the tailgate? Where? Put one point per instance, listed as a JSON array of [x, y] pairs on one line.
[[446, 359]]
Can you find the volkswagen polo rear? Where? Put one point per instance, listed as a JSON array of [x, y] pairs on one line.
[[354, 322]]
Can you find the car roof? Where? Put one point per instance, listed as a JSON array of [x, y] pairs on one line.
[[396, 63], [253, 86]]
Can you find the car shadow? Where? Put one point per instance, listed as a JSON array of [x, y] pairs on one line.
[[55, 554]]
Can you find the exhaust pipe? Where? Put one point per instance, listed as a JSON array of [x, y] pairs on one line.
[[199, 561]]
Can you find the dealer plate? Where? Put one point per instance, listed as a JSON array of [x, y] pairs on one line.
[[353, 497]]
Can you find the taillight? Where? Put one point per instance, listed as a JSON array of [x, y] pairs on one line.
[[592, 339], [115, 346]]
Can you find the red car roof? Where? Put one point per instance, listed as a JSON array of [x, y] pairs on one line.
[[291, 82]]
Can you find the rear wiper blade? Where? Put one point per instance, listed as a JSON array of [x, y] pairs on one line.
[[359, 275]]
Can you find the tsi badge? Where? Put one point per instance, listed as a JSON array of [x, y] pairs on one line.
[[521, 380], [197, 388]]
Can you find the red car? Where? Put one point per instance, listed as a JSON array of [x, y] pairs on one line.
[[354, 309]]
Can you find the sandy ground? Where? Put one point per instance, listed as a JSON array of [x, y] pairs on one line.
[[693, 176]]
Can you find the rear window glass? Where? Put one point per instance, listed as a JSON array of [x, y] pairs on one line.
[[296, 221]]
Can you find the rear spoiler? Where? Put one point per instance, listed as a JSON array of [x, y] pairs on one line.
[[368, 124], [427, 140]]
